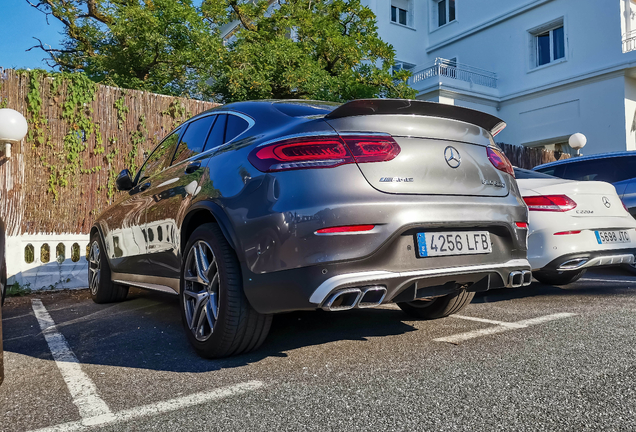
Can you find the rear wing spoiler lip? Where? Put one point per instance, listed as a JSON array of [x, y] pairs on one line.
[[362, 107]]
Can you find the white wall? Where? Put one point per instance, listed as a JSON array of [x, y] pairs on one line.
[[596, 109], [630, 113]]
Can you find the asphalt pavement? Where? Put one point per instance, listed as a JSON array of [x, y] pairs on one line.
[[536, 358]]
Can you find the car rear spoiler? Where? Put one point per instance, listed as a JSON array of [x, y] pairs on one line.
[[362, 107]]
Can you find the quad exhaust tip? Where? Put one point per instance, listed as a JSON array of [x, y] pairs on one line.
[[366, 297], [518, 279], [372, 296]]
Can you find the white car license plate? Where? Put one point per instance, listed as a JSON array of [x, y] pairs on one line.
[[605, 237], [453, 243]]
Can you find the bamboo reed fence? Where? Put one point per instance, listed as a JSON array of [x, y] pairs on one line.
[[529, 157], [130, 123]]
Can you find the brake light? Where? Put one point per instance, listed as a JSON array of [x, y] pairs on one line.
[[555, 203], [522, 224], [372, 148], [345, 229], [323, 152], [499, 160]]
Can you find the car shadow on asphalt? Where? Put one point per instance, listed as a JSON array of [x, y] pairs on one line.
[[145, 332], [603, 281]]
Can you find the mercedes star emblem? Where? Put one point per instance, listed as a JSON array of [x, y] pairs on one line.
[[453, 159], [607, 202]]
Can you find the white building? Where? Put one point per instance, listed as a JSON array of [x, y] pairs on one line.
[[548, 68]]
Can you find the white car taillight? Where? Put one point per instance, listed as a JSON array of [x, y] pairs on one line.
[[554, 203]]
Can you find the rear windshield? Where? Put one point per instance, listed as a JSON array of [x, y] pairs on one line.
[[305, 108], [523, 174], [610, 169]]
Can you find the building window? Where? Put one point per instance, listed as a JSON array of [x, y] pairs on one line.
[[400, 65], [398, 15], [548, 43], [550, 46], [445, 11]]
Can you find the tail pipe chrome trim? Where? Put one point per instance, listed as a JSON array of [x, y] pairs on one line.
[[515, 279], [527, 277], [585, 262], [343, 300], [372, 296]]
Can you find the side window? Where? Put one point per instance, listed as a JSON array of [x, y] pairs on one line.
[[215, 138], [159, 158], [607, 169], [235, 126], [193, 139]]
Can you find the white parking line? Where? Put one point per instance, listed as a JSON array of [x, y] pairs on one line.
[[156, 408], [92, 409], [501, 326], [82, 389], [606, 280]]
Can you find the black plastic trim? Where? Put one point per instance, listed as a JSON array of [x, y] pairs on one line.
[[415, 107]]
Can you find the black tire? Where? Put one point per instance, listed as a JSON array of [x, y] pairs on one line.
[[439, 307], [630, 268], [217, 317], [3, 280], [103, 290], [558, 278]]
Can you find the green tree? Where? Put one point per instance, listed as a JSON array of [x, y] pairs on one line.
[[310, 49], [162, 46]]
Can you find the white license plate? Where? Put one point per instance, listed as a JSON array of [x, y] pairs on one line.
[[605, 237], [453, 243]]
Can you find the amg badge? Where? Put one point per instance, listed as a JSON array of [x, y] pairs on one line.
[[396, 180]]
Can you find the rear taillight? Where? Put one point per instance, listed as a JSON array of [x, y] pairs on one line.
[[555, 203], [371, 148], [522, 225], [323, 152], [499, 160]]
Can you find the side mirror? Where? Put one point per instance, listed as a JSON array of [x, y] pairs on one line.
[[124, 181]]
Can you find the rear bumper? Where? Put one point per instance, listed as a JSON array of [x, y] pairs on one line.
[[311, 288], [582, 260]]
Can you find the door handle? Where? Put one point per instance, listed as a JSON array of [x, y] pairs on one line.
[[193, 167], [144, 186]]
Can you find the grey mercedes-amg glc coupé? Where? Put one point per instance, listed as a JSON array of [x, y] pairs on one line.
[[255, 208]]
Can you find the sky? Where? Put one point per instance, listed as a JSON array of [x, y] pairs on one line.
[[19, 23]]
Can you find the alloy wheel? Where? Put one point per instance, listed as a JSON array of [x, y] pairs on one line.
[[201, 290], [94, 268]]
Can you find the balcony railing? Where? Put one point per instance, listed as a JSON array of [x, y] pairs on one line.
[[629, 41], [450, 69]]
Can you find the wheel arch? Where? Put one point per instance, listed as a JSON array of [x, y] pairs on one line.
[[205, 212]]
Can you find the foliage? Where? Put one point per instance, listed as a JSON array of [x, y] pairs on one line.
[[311, 49], [163, 46], [17, 290], [122, 110], [303, 49]]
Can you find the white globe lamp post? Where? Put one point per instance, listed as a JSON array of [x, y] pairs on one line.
[[13, 127], [577, 141]]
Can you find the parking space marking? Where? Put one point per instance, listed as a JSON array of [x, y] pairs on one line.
[[488, 321], [93, 410], [500, 327], [82, 389], [156, 408], [606, 280]]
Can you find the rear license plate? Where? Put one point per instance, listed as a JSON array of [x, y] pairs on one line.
[[605, 237], [453, 243]]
